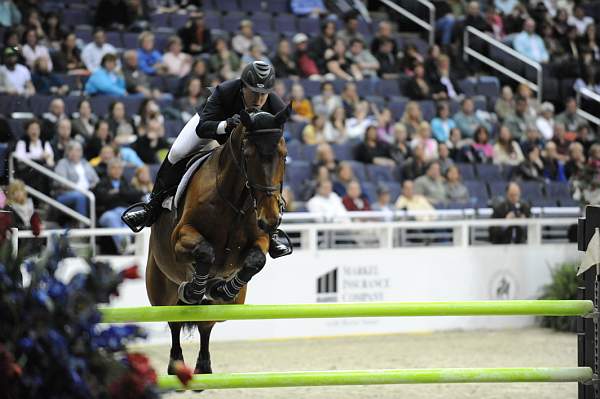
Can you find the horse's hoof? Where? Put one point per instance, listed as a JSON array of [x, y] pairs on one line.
[[171, 368], [181, 294], [203, 367], [215, 293]]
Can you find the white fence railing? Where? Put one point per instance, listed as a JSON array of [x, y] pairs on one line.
[[429, 25], [590, 95]]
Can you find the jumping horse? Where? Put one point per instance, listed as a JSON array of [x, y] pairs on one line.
[[207, 251]]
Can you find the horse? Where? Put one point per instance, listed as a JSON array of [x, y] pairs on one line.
[[207, 251]]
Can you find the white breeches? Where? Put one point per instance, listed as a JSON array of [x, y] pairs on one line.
[[186, 142]]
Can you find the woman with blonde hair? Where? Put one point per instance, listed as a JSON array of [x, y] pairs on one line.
[[24, 215], [412, 117], [142, 180], [423, 137]]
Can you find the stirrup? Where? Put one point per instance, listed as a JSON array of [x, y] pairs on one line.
[[134, 228], [282, 235]]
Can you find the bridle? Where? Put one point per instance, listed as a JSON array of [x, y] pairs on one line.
[[249, 185]]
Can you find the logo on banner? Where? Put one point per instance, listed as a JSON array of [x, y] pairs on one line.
[[503, 286], [327, 287], [352, 284]]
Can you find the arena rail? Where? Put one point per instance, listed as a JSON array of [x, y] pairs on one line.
[[147, 314], [380, 377], [584, 92], [428, 26]]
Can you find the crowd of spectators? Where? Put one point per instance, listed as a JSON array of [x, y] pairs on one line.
[[422, 151]]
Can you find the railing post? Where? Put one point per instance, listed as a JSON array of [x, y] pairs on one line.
[[465, 45], [588, 333], [540, 77]]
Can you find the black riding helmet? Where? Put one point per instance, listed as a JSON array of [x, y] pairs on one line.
[[259, 77]]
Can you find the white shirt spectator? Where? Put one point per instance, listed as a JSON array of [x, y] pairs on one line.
[[31, 54], [546, 127], [241, 44], [580, 24], [18, 77], [36, 150], [92, 54], [330, 207]]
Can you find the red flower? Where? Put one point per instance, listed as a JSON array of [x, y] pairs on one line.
[[183, 372], [131, 273]]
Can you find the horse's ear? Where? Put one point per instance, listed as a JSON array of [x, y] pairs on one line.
[[246, 119], [283, 115]]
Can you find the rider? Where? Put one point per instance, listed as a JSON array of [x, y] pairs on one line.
[[217, 120]]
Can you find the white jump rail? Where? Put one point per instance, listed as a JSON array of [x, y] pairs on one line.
[[587, 93], [429, 26]]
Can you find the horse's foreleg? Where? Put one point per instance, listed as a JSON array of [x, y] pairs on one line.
[[176, 353], [203, 361], [253, 264], [192, 247]]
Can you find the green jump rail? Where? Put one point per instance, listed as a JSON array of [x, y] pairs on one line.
[[379, 377], [335, 310]]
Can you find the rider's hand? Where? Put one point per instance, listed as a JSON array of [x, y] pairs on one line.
[[232, 123]]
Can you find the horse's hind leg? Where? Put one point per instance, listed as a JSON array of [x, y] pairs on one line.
[[192, 247], [176, 352], [203, 361]]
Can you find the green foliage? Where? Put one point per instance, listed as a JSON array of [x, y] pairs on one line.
[[563, 286]]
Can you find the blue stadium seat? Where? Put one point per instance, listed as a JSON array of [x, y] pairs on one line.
[[478, 193], [252, 6], [380, 173], [309, 153], [466, 171], [72, 103], [173, 127], [311, 87], [309, 26], [377, 100], [160, 19], [100, 104], [387, 88], [558, 190], [497, 188], [17, 127], [129, 172], [365, 87], [359, 170], [427, 109], [294, 150], [177, 21], [279, 6], [489, 172], [468, 86], [161, 37], [74, 16], [285, 23], [116, 39], [132, 104], [344, 151], [569, 202], [369, 190], [84, 32], [397, 108], [262, 21], [10, 104], [298, 172], [488, 86], [231, 21], [294, 130], [226, 5], [39, 103], [395, 190], [130, 40]]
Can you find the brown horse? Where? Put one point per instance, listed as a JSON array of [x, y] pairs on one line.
[[210, 251]]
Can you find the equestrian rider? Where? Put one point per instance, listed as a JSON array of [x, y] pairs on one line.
[[218, 119]]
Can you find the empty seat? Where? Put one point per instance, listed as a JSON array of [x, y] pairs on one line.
[[160, 19], [531, 190], [39, 103], [231, 21], [488, 86], [101, 104], [344, 151], [369, 190], [397, 108], [558, 190], [10, 104], [128, 172], [311, 87], [251, 5], [309, 26], [173, 127], [298, 172], [116, 40], [489, 172], [359, 170], [294, 151], [294, 130], [387, 88], [226, 5], [285, 23], [309, 153], [279, 6], [365, 87], [130, 40], [262, 21], [468, 86], [477, 192], [427, 109], [380, 173], [466, 171]]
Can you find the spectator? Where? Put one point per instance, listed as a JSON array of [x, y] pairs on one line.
[[374, 151], [467, 120], [339, 64], [142, 181], [24, 215], [93, 53], [416, 166], [314, 132], [100, 163], [359, 55], [303, 110], [417, 87], [119, 125], [62, 138], [506, 150], [255, 54], [575, 166], [442, 124], [554, 163], [383, 203], [9, 14], [458, 146], [101, 138], [68, 58], [246, 38], [343, 177], [113, 14], [383, 34], [385, 125], [443, 81], [423, 138], [113, 195], [326, 157], [512, 207], [284, 63], [590, 42], [530, 44], [400, 150], [411, 59], [353, 200], [199, 71], [569, 64], [78, 171], [84, 120], [56, 112], [431, 185], [105, 80], [560, 139], [412, 118], [350, 30], [15, 78], [55, 33], [33, 147], [176, 62], [46, 82], [327, 203], [224, 62], [545, 122], [149, 111], [357, 125], [505, 104], [410, 201], [569, 117], [482, 149], [350, 98], [335, 130], [552, 42], [322, 43], [532, 139], [152, 147], [456, 191], [310, 8], [533, 105], [583, 136], [306, 65], [196, 37], [32, 50], [150, 60], [34, 20], [326, 102], [579, 20], [444, 158], [193, 100], [389, 65], [475, 18], [532, 169], [588, 80], [136, 80]]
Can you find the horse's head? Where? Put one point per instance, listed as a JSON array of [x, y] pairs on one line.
[[264, 153]]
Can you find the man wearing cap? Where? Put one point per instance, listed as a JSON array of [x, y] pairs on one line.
[[305, 63], [217, 120], [16, 78], [243, 41]]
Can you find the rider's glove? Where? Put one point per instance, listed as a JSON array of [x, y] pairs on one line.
[[232, 123]]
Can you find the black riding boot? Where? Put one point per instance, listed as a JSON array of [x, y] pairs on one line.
[[280, 244], [167, 178]]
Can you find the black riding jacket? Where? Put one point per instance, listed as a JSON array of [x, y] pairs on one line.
[[226, 101]]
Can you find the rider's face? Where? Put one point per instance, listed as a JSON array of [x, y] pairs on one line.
[[254, 100]]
